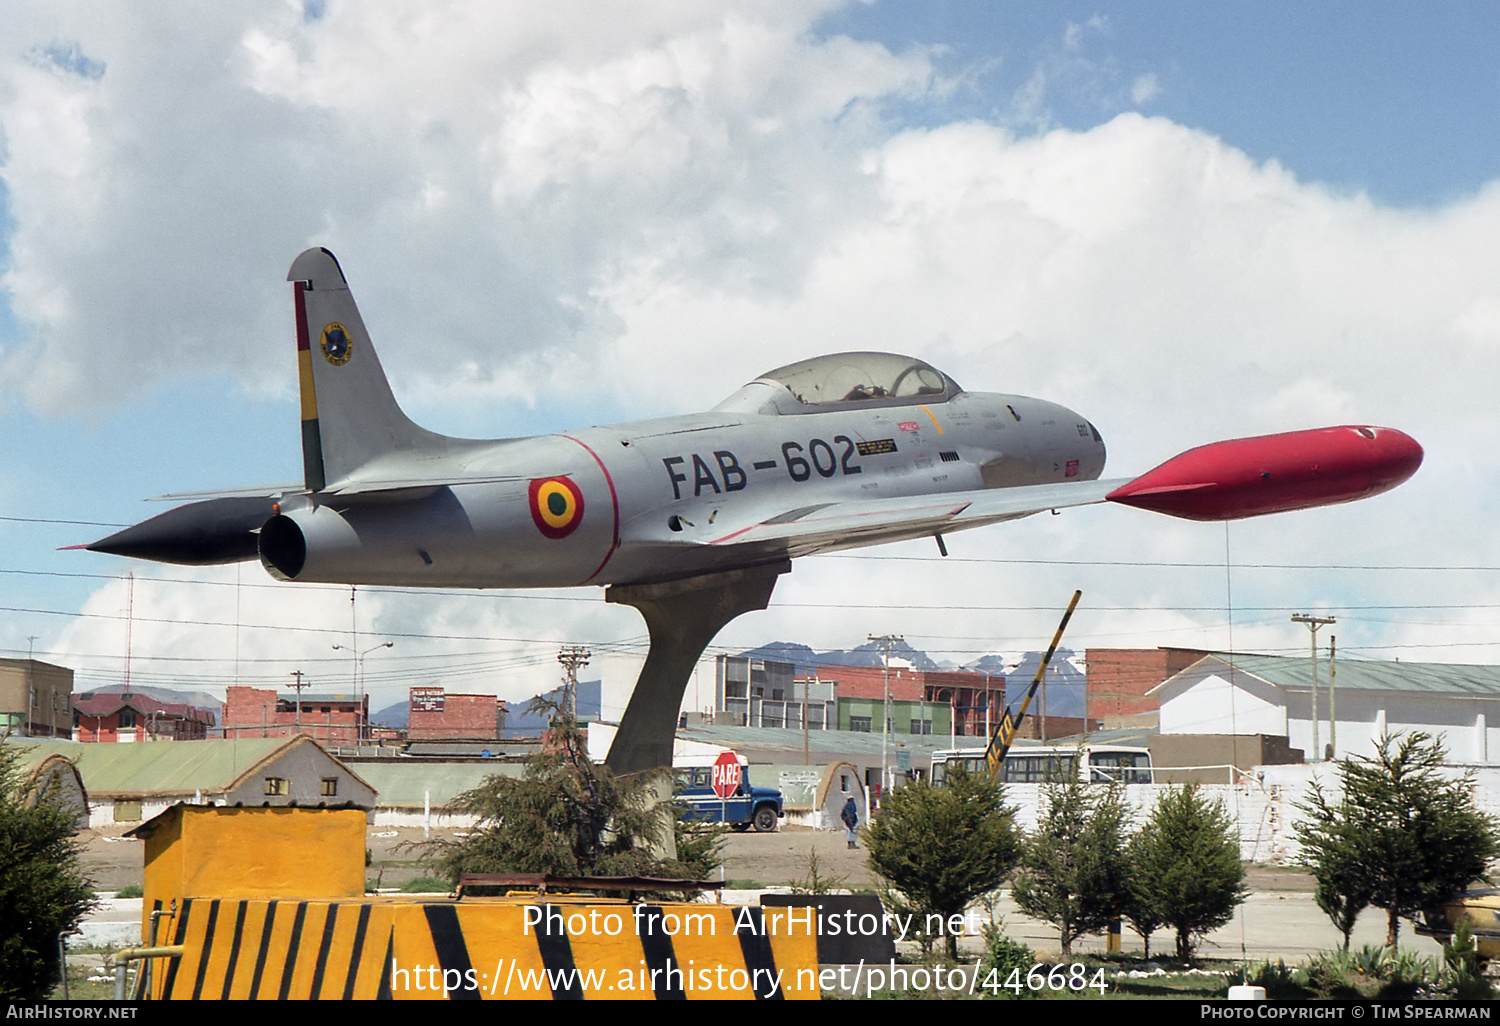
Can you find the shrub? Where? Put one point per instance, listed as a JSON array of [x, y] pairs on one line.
[[942, 847], [1190, 873], [1402, 837], [43, 891], [1074, 873]]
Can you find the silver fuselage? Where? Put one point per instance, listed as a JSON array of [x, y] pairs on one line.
[[665, 499]]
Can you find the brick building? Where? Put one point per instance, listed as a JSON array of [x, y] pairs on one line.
[[119, 715], [329, 718], [1119, 679], [977, 699], [436, 715], [963, 697], [869, 682]]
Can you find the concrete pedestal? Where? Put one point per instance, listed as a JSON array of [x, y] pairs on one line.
[[682, 618]]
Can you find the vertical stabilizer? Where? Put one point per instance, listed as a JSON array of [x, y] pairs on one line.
[[349, 415]]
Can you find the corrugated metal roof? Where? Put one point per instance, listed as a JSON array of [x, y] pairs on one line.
[[403, 783], [783, 745], [32, 752], [164, 767], [1294, 673]]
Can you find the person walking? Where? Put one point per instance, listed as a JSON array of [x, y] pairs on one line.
[[850, 816]]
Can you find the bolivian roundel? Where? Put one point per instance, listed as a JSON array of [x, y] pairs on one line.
[[336, 344], [556, 505]]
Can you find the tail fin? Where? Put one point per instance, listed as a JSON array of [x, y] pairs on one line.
[[349, 416]]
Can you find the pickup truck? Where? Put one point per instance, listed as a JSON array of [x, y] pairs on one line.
[[760, 807]]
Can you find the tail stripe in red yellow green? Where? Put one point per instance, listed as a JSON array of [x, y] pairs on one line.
[[312, 439]]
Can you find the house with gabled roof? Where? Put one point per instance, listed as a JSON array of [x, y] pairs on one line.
[[129, 783], [119, 714], [1224, 694]]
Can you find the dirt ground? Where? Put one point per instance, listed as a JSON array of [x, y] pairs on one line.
[[764, 860]]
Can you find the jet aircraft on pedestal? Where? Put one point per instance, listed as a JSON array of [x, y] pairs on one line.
[[691, 519]]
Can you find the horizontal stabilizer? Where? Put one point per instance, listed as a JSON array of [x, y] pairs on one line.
[[360, 486], [277, 491]]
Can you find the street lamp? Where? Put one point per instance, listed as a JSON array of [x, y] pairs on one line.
[[359, 679]]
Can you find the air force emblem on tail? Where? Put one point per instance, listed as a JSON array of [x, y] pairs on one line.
[[337, 346]]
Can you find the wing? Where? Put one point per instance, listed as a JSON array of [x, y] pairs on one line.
[[840, 525]]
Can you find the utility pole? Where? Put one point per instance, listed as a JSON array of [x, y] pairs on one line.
[[30, 685], [989, 700], [129, 625], [361, 700], [573, 658], [1042, 709], [1333, 720], [1313, 623], [806, 754], [299, 686], [885, 641]]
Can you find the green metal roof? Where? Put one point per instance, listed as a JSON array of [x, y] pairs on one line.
[[162, 767], [402, 783], [783, 745], [33, 755], [1294, 673]]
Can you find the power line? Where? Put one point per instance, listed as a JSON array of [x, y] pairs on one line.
[[69, 523], [515, 595], [1148, 563]]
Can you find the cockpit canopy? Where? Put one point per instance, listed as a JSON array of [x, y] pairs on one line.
[[845, 381]]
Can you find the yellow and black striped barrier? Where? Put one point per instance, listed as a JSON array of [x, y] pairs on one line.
[[486, 949]]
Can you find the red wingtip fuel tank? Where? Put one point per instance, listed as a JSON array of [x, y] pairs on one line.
[[1246, 477]]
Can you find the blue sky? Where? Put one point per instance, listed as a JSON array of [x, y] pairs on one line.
[[1396, 100], [1188, 222]]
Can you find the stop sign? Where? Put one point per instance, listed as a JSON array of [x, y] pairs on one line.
[[726, 774]]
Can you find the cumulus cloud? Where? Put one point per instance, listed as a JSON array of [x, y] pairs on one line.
[[644, 207], [520, 155]]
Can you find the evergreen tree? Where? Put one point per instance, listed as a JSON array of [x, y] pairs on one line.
[[1342, 899], [570, 817], [43, 891], [1142, 915], [943, 847], [1334, 853], [1190, 873], [1401, 836], [1073, 872]]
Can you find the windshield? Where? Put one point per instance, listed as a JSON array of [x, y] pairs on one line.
[[861, 378]]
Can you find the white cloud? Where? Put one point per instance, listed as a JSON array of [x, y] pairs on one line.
[[519, 155], [1145, 88], [643, 207], [209, 628]]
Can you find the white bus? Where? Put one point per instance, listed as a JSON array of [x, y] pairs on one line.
[[1037, 764]]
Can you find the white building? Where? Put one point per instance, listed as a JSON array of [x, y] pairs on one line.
[[1258, 694]]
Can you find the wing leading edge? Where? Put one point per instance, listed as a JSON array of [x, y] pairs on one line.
[[838, 525]]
